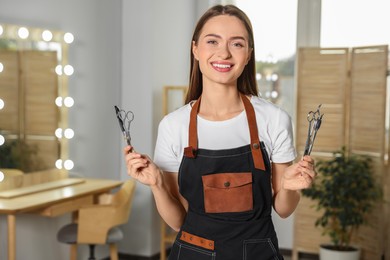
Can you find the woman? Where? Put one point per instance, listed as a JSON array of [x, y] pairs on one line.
[[225, 158]]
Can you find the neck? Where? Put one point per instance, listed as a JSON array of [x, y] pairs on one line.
[[220, 103]]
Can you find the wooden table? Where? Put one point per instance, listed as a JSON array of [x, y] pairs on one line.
[[50, 199]]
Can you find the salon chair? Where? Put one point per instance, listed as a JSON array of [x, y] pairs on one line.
[[98, 224]]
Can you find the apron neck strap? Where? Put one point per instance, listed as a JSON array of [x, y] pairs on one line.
[[257, 155], [190, 151]]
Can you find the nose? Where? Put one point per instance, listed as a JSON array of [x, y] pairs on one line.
[[224, 52]]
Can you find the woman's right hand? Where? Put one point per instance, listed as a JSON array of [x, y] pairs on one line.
[[141, 167]]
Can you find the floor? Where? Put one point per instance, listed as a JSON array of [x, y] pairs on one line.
[[287, 256]]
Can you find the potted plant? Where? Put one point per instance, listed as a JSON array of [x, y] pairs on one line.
[[346, 191], [17, 154]]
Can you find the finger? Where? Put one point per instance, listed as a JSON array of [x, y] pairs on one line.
[[308, 180], [134, 159], [136, 168], [309, 172], [307, 164], [128, 149], [309, 159]]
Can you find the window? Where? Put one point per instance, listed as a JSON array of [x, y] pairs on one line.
[[274, 25], [351, 23]]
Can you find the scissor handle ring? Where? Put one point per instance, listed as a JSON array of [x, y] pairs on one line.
[[129, 118], [311, 116]]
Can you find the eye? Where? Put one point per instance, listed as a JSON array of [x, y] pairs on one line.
[[213, 42], [238, 44]]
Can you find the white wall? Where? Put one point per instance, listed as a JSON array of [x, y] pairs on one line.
[[156, 44]]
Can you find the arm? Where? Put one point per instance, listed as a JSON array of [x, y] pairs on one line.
[[287, 180], [164, 186], [170, 204]]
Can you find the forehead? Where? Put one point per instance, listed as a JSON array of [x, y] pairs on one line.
[[224, 25]]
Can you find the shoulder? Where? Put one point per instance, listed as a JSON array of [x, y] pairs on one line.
[[172, 137], [275, 130], [268, 111], [177, 119]]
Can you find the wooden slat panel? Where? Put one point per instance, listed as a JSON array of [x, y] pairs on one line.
[[307, 237], [322, 80], [386, 207], [355, 113], [41, 89], [368, 130], [368, 99], [9, 91]]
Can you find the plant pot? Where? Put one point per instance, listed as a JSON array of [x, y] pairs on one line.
[[327, 253]]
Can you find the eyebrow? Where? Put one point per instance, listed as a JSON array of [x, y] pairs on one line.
[[232, 38]]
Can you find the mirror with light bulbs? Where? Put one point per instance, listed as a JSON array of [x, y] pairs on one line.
[[34, 101]]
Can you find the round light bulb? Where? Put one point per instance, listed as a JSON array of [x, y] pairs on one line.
[[1, 104], [1, 67], [69, 133], [2, 140], [1, 176], [58, 132], [68, 37], [68, 101], [59, 70], [68, 164], [59, 101], [59, 164], [68, 70], [47, 35], [23, 33]]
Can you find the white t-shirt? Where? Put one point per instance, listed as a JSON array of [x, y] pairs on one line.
[[274, 127]]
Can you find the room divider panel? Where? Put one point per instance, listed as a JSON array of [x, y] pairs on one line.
[[351, 86]]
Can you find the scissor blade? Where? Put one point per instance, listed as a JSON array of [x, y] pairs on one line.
[[117, 112]]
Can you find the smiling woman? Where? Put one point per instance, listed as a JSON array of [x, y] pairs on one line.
[[30, 81]]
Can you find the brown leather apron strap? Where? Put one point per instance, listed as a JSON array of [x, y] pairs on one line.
[[197, 241], [190, 151], [257, 155], [254, 133]]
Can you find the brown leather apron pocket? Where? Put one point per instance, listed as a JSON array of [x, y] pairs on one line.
[[227, 192]]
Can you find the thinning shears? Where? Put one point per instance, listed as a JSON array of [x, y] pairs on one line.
[[314, 118], [125, 119]]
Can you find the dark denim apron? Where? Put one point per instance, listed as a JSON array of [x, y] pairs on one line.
[[230, 200]]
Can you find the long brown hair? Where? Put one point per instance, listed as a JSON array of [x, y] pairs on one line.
[[246, 83]]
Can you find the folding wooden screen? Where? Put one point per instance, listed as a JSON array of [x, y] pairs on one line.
[[351, 86]]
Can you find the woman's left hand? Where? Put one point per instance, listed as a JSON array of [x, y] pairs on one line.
[[299, 175]]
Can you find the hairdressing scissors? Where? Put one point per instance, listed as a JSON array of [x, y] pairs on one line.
[[124, 119], [314, 118]]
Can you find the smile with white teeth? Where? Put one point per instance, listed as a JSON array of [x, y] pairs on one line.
[[222, 66]]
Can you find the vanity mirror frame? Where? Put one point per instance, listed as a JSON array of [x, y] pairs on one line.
[[52, 40]]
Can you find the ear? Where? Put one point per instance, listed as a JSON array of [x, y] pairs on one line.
[[195, 50]]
